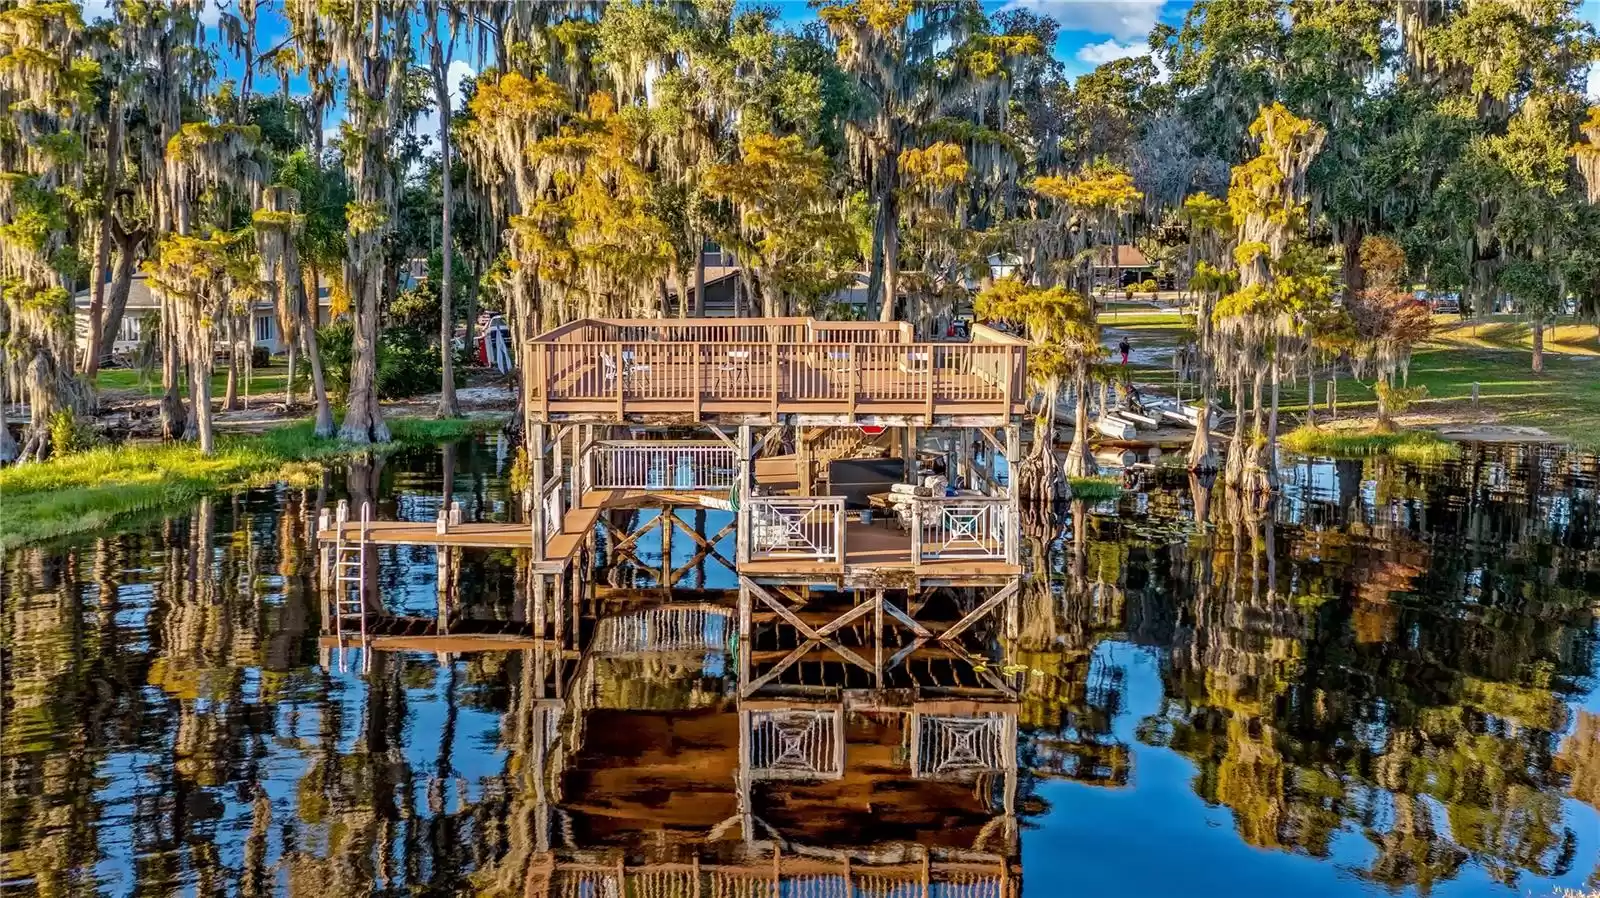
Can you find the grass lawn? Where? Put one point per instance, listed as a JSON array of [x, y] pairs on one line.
[[263, 380], [89, 490], [1565, 400]]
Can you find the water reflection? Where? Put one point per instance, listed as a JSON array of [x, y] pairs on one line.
[[1386, 680]]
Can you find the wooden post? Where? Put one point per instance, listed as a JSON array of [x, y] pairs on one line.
[[1333, 398], [542, 370], [694, 378], [667, 514], [560, 473], [916, 532], [877, 640], [536, 474], [1013, 497], [1474, 394], [538, 604], [855, 381], [744, 638], [742, 539], [622, 375]]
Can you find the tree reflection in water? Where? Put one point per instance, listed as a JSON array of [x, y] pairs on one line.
[[1402, 656]]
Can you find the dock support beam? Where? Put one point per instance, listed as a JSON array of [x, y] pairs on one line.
[[746, 485]]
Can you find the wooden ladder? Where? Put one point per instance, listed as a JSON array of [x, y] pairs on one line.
[[350, 577]]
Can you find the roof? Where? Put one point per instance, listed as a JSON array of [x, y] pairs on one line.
[[139, 296], [1128, 256]]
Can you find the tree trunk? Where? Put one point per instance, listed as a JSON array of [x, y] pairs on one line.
[[891, 257], [471, 342], [174, 422], [288, 378], [699, 308], [1385, 420], [448, 407], [102, 255], [1202, 457], [1355, 280], [680, 284], [1080, 461], [363, 418], [230, 397], [323, 428], [1311, 396], [1538, 346], [1233, 468], [200, 390], [122, 280]]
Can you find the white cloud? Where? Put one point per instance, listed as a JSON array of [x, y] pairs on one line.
[[1108, 50], [1122, 19]]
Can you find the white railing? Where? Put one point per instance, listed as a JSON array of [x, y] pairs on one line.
[[953, 746], [550, 507], [962, 527], [661, 466], [796, 745], [667, 628], [797, 527]]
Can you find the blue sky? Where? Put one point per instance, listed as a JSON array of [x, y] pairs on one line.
[[1093, 32]]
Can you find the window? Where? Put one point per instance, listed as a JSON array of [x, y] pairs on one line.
[[129, 332], [263, 328]]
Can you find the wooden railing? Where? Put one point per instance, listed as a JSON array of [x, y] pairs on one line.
[[960, 527], [660, 466], [809, 528], [839, 375]]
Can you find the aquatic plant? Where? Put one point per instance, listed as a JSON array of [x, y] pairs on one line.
[[1095, 489], [1410, 445]]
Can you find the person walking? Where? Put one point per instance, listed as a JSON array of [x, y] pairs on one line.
[[1123, 348]]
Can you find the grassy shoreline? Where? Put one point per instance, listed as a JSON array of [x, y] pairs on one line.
[[89, 490]]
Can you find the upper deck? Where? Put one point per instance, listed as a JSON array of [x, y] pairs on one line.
[[789, 370]]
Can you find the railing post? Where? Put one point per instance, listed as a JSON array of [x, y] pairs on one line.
[[622, 375], [930, 351], [855, 380], [694, 378], [838, 532], [543, 356], [916, 532]]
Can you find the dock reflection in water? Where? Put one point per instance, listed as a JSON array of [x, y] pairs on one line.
[[1388, 682]]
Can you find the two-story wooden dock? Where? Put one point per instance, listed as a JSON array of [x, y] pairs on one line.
[[840, 454]]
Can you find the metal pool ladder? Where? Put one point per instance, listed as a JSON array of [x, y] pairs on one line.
[[350, 575]]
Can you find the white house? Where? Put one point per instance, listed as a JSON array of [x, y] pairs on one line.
[[141, 302]]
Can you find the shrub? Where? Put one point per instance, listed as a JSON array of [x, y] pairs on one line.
[[68, 434], [260, 357], [408, 363]]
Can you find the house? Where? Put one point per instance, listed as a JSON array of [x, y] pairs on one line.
[[1131, 265], [125, 334]]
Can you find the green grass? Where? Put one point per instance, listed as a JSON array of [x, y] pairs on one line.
[[262, 380], [1564, 400], [89, 490], [1408, 445], [1095, 489]]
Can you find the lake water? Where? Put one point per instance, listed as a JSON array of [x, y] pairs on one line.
[[1387, 683]]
